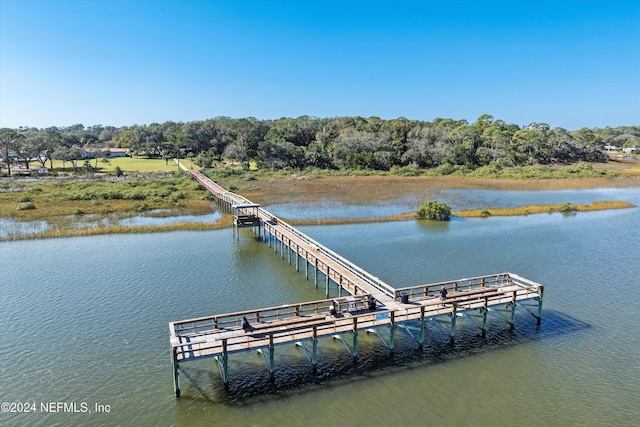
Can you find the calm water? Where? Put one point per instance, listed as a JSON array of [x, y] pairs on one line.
[[85, 320], [9, 226], [457, 199]]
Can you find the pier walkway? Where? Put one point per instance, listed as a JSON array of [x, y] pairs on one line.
[[368, 303]]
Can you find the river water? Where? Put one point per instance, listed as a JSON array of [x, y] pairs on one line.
[[85, 322]]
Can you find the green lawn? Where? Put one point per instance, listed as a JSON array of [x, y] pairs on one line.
[[126, 164]]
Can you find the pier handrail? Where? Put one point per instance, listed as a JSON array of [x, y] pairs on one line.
[[362, 274]]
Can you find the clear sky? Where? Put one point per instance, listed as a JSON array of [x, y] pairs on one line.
[[567, 63]]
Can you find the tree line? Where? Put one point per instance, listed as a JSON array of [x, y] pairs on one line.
[[325, 143]]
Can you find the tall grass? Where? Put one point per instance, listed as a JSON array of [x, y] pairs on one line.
[[534, 209], [61, 231]]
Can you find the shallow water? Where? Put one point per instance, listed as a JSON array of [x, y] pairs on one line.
[[85, 320], [456, 199], [11, 227]]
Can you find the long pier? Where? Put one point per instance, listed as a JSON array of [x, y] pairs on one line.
[[368, 303]]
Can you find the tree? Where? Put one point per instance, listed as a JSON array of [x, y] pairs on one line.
[[9, 143], [30, 147], [434, 210]]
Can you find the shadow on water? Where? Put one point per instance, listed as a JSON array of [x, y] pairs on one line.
[[250, 382]]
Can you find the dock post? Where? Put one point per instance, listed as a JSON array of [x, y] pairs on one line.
[[225, 364], [512, 321], [421, 336], [485, 312], [392, 333], [339, 285], [271, 358], [176, 381], [454, 315], [540, 305], [355, 337], [316, 272], [327, 283], [297, 258], [306, 267], [289, 249], [314, 346]]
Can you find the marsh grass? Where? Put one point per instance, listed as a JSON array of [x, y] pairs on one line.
[[71, 230], [363, 190], [534, 209], [173, 196]]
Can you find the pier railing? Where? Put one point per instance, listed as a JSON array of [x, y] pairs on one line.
[[320, 249]]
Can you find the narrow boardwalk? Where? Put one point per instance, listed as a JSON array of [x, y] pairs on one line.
[[368, 304]]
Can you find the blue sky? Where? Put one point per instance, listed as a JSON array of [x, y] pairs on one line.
[[571, 64]]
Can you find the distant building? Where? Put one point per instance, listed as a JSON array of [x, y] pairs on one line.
[[118, 152], [108, 152]]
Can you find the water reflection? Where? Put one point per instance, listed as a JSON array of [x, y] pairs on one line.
[[250, 384], [9, 227]]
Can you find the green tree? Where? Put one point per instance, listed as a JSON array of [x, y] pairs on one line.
[[434, 210], [10, 141]]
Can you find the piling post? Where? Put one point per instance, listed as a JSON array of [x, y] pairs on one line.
[[327, 283], [392, 332], [539, 318], [485, 312], [316, 272], [271, 358], [421, 336], [314, 347], [176, 381], [225, 364], [355, 337], [454, 315], [512, 321]]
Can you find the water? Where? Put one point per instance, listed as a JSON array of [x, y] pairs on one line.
[[456, 199], [9, 226], [85, 320]]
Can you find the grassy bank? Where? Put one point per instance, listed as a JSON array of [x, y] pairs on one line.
[[534, 209]]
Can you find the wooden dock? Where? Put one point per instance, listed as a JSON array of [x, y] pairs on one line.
[[368, 304]]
